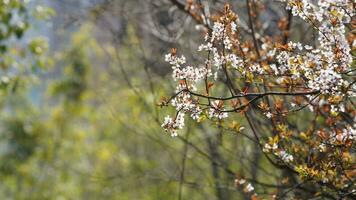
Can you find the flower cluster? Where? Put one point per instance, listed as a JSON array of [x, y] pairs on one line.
[[173, 125], [216, 110], [188, 77], [323, 65], [269, 78], [269, 147], [246, 186], [286, 157], [272, 146], [339, 136]]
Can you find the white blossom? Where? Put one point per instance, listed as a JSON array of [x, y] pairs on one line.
[[268, 115], [322, 147], [249, 187], [234, 60], [317, 67], [286, 157], [233, 27], [218, 31], [268, 147], [241, 181], [172, 125], [215, 113]]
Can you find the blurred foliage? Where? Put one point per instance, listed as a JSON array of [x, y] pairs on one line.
[[83, 122], [76, 144], [21, 55]]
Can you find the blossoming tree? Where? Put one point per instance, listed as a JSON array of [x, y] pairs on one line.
[[270, 80]]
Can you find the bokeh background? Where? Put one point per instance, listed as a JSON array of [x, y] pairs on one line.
[[80, 83]]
